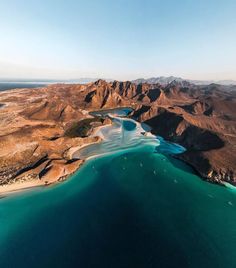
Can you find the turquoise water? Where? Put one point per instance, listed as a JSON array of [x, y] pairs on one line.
[[135, 207]]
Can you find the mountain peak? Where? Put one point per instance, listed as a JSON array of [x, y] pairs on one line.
[[100, 82]]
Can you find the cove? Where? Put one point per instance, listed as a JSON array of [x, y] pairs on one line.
[[132, 206]]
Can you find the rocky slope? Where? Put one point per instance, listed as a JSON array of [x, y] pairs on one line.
[[33, 123]]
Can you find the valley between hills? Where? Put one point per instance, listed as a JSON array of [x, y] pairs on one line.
[[41, 128]]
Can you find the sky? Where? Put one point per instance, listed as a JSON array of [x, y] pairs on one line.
[[118, 39]]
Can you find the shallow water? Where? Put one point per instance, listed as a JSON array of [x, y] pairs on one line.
[[134, 207], [124, 134]]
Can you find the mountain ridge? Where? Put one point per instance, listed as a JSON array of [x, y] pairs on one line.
[[164, 80]]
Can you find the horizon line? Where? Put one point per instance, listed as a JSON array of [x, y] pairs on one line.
[[5, 79]]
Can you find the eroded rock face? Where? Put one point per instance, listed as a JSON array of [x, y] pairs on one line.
[[33, 123]]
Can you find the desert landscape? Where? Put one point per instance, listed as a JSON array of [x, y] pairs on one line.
[[41, 127]]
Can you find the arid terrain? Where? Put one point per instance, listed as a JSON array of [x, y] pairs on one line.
[[40, 128]]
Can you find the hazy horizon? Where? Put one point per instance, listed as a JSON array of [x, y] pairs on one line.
[[90, 79], [122, 40]]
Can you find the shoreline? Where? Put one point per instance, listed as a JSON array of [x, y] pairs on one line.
[[16, 187], [20, 186], [9, 189]]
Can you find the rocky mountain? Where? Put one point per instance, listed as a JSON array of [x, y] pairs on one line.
[[163, 80], [33, 123]]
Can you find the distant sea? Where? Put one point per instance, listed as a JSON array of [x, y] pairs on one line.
[[6, 85], [14, 85]]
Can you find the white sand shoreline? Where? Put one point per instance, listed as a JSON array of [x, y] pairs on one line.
[[16, 187]]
